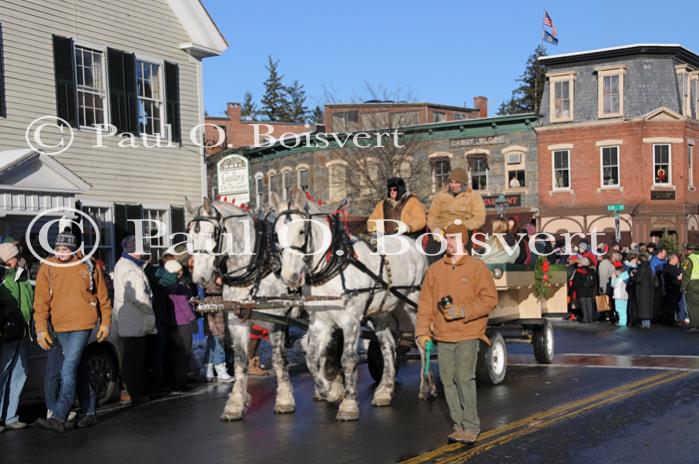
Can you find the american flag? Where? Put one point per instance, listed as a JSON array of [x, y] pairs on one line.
[[549, 22]]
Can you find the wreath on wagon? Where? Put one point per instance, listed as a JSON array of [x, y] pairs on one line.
[[541, 278]]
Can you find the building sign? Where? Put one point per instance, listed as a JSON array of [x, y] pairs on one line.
[[662, 195], [234, 178], [512, 201], [475, 141]]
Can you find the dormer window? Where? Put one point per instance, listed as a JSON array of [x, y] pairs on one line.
[[561, 98], [610, 91]]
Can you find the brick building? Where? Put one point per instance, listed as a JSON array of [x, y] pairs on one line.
[[239, 133], [619, 126], [498, 153]]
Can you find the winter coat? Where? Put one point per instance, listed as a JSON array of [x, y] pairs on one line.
[[159, 279], [133, 303], [70, 298], [412, 214], [16, 293], [181, 311], [466, 206], [215, 322], [619, 285], [499, 253], [584, 282], [471, 286], [673, 286], [644, 285], [605, 270]]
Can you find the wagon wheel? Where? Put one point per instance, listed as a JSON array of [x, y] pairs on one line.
[[492, 360], [543, 343]]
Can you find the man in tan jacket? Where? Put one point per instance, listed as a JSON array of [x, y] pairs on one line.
[[456, 201], [399, 205], [457, 294], [73, 297]]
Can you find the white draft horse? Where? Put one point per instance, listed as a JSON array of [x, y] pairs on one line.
[[343, 267]]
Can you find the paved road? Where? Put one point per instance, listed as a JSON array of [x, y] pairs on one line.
[[584, 408]]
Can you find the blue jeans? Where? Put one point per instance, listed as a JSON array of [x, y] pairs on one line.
[[72, 345], [13, 375], [214, 353], [682, 314]]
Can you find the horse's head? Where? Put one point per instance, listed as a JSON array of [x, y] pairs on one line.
[[204, 232], [294, 233]]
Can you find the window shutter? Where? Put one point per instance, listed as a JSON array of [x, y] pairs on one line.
[[172, 95], [177, 220], [66, 90], [123, 97], [122, 226], [3, 107]]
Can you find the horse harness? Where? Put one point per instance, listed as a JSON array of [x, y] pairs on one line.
[[339, 255]]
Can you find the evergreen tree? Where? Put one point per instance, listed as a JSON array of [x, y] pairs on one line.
[[296, 98], [317, 116], [527, 97], [275, 105], [249, 108]]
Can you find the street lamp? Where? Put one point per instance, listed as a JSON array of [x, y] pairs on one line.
[[501, 205]]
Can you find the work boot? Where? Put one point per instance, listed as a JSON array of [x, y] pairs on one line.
[[468, 436], [456, 434], [86, 421], [210, 372], [254, 368], [51, 424], [222, 374]]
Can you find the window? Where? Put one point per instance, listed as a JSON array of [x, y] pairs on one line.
[[693, 96], [515, 167], [158, 244], [610, 94], [460, 116], [3, 107], [91, 86], [610, 91], [303, 179], [274, 184], [561, 96], [404, 118], [287, 184], [561, 170], [374, 120], [259, 190], [337, 181], [610, 166], [102, 215], [345, 121], [661, 165], [478, 169], [438, 116], [440, 174], [150, 98], [690, 165]]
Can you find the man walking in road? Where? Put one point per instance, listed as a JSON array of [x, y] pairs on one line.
[[457, 295], [73, 297]]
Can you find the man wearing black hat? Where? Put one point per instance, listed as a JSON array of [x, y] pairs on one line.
[[72, 296], [399, 205], [690, 285]]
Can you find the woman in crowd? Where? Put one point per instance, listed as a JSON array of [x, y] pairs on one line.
[[645, 282], [499, 253], [180, 329], [584, 283], [16, 297], [672, 281]]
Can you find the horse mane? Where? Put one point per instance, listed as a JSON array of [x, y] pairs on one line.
[[228, 208]]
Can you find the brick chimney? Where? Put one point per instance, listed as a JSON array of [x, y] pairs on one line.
[[233, 111], [482, 104]]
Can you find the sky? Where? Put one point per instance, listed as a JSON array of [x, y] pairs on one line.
[[445, 51]]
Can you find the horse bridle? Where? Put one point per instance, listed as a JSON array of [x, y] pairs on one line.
[[257, 268]]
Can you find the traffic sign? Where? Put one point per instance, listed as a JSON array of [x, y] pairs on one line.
[[615, 207]]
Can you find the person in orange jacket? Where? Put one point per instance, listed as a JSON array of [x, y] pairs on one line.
[[72, 296], [399, 205]]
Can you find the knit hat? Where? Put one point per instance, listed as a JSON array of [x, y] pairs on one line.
[[458, 175], [129, 244], [66, 239], [8, 239], [8, 251], [458, 229], [398, 184], [173, 266]]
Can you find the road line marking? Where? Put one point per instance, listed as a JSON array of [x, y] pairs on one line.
[[462, 457], [632, 355], [597, 366], [541, 416]]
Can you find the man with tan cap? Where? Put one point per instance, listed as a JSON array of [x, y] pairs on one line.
[[456, 201], [458, 293]]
